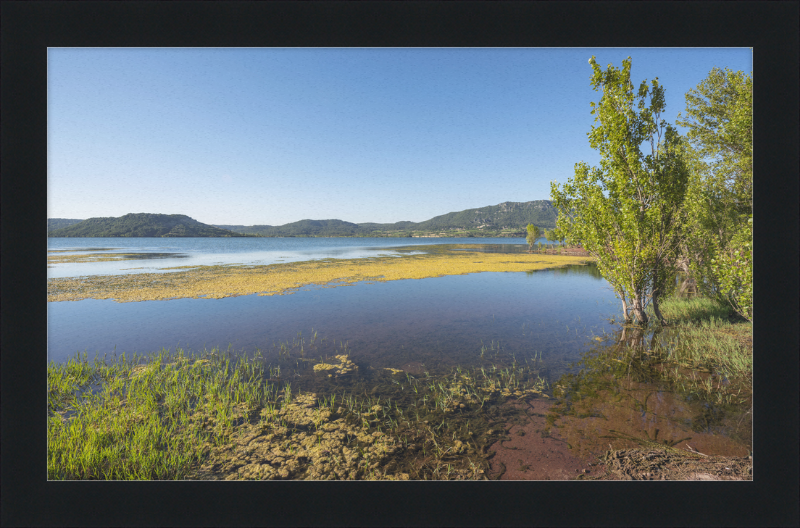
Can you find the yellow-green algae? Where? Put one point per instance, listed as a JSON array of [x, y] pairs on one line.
[[215, 282], [345, 366], [213, 418], [308, 445], [306, 439], [91, 257]]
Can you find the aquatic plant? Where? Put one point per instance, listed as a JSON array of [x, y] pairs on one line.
[[216, 415], [215, 282], [145, 418]]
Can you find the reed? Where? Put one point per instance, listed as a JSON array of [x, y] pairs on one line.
[[179, 415], [707, 335], [145, 418]]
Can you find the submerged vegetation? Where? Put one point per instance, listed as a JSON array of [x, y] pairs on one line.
[[217, 416], [215, 282], [105, 257], [314, 411], [670, 396], [679, 392]]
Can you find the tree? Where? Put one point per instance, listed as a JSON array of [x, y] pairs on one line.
[[718, 250], [533, 233], [628, 212]]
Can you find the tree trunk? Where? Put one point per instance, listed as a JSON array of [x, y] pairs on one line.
[[625, 312], [657, 310], [688, 285], [638, 310]]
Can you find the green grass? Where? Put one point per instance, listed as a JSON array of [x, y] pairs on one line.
[[709, 349], [693, 310], [162, 417], [145, 419], [708, 335]]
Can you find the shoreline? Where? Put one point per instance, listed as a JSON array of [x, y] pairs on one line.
[[224, 416], [217, 282]]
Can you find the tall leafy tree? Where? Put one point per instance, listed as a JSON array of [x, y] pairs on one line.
[[718, 250], [533, 233], [628, 212]]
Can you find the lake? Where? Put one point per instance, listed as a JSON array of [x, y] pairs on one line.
[[160, 253], [441, 320], [553, 318]]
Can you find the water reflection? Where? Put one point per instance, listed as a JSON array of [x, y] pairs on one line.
[[589, 269], [625, 395], [246, 250], [443, 321], [493, 248], [60, 257]]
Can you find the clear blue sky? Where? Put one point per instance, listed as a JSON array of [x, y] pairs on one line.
[[272, 136]]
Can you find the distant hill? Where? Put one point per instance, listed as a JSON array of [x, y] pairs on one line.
[[58, 223], [507, 215], [142, 225], [301, 228]]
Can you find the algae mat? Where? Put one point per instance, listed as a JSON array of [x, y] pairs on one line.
[[216, 282]]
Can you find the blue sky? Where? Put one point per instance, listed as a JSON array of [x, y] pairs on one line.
[[272, 135]]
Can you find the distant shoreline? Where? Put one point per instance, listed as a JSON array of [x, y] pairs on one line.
[[504, 220], [217, 282], [520, 235]]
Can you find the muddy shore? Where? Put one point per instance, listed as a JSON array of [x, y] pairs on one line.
[[534, 451]]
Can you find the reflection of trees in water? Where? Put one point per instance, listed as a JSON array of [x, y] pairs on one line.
[[573, 269], [634, 338], [634, 361], [492, 248]]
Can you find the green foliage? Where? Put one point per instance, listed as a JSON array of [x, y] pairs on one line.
[[58, 223], [304, 228], [126, 420], [733, 268], [142, 225], [718, 249], [507, 214], [719, 115], [628, 211], [493, 218], [533, 234]]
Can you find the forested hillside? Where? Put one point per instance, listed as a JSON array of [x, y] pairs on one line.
[[505, 219], [142, 225], [507, 215], [58, 223]]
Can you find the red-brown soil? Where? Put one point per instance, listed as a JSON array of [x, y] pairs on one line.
[[531, 453]]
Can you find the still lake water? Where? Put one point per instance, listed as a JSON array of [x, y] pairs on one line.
[[435, 321], [160, 253], [431, 324]]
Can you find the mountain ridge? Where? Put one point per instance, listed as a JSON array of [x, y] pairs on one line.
[[513, 216], [503, 219], [141, 225]]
